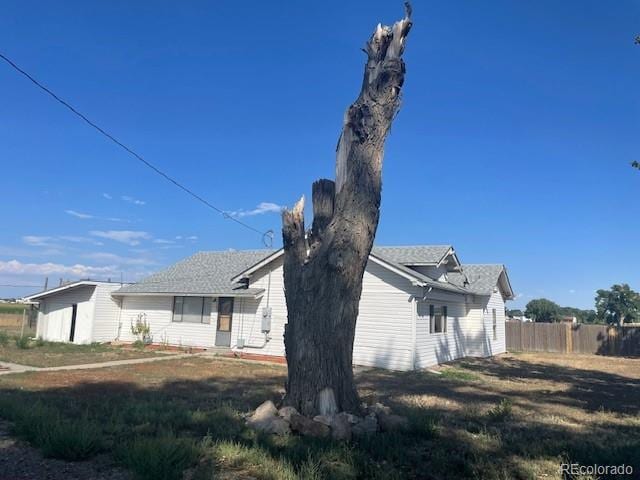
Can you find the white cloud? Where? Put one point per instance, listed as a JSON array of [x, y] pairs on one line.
[[86, 216], [76, 239], [163, 241], [178, 237], [73, 213], [112, 258], [572, 291], [193, 238], [135, 201], [8, 251], [38, 241], [263, 207], [129, 237], [107, 196], [18, 268]]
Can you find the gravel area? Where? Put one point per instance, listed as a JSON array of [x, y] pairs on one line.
[[19, 461]]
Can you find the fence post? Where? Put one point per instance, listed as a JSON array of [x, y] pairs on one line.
[[569, 337], [24, 316]]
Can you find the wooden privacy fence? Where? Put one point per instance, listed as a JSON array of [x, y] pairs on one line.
[[572, 338]]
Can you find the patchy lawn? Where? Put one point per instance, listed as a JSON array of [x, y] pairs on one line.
[[50, 354], [512, 417]]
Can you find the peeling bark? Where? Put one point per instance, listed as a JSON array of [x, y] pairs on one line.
[[323, 270]]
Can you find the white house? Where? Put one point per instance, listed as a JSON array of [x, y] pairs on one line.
[[420, 306]]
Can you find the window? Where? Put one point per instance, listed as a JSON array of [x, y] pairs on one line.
[[495, 325], [437, 319], [192, 309]]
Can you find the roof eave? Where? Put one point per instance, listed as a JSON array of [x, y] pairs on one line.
[[53, 291], [254, 268], [257, 294]]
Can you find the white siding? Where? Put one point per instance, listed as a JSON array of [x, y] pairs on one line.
[[498, 345], [107, 313], [480, 333], [54, 322], [383, 331], [247, 314], [384, 328], [476, 331], [158, 312], [434, 348]]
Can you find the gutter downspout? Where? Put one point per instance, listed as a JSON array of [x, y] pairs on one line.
[[414, 319]]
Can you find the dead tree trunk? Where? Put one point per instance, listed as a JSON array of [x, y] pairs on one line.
[[323, 268]]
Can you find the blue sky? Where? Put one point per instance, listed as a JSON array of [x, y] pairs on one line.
[[513, 143]]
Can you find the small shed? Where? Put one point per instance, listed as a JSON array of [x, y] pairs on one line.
[[78, 312]]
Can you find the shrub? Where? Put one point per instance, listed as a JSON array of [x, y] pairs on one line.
[[58, 437], [40, 342], [72, 440], [158, 458], [22, 342], [4, 338], [502, 411]]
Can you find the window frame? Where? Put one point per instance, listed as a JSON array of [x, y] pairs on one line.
[[494, 314], [204, 320], [438, 316]]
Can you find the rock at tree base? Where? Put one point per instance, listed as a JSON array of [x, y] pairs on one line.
[[264, 411], [366, 427], [324, 419], [306, 426], [287, 412], [265, 419], [391, 422], [341, 427]]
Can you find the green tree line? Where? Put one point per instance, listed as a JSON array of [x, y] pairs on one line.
[[616, 305]]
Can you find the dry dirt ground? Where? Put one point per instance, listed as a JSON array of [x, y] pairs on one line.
[[511, 416]]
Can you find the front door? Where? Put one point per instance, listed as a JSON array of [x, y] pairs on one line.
[[225, 318], [74, 314]]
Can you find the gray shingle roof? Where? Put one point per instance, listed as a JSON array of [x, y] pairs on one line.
[[207, 273], [414, 254], [483, 278], [210, 273]]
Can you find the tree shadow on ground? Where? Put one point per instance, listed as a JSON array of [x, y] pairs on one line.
[[451, 437]]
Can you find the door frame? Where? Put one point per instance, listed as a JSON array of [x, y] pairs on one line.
[[74, 316], [224, 333]]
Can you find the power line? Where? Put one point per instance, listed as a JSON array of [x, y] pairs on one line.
[[267, 237], [21, 286]]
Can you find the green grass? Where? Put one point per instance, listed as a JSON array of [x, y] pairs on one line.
[[39, 353], [162, 457], [12, 307], [502, 411], [452, 373], [58, 436]]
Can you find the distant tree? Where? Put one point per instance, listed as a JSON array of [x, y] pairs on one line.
[[635, 165], [514, 313], [583, 316], [618, 305], [542, 310]]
